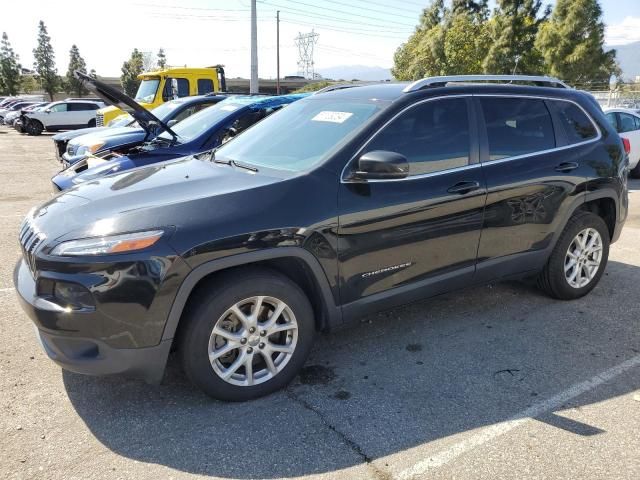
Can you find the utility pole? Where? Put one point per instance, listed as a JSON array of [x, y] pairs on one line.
[[278, 52], [253, 83]]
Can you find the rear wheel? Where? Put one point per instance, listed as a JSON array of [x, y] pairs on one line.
[[578, 259], [92, 123], [34, 127], [635, 173], [247, 335]]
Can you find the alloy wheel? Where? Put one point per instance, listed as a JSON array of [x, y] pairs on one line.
[[583, 258], [253, 341]]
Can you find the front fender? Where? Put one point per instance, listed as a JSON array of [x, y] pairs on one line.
[[333, 313]]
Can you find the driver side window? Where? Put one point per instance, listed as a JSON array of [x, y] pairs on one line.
[[433, 136]]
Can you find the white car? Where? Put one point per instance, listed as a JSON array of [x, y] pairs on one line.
[[626, 121], [64, 115]]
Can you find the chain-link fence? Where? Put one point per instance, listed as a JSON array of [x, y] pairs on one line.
[[620, 99]]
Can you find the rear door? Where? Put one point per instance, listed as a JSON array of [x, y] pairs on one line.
[[403, 239], [535, 158]]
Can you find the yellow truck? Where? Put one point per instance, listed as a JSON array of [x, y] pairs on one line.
[[167, 84]]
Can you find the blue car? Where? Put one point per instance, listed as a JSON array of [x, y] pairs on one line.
[[75, 145], [200, 133]]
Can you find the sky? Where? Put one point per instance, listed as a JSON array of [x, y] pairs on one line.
[[207, 32]]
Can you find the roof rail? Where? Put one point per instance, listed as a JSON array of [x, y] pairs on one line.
[[337, 86], [442, 81]]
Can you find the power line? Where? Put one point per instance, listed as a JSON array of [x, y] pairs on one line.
[[377, 28], [338, 11], [369, 9], [341, 30], [386, 5]]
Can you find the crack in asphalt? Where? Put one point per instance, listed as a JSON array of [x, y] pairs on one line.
[[355, 448]]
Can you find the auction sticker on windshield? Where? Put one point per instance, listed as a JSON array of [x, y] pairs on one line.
[[333, 117]]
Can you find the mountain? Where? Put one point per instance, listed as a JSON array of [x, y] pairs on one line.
[[355, 72], [628, 58]]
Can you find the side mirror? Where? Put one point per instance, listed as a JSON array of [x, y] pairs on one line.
[[382, 165], [171, 123], [48, 110]]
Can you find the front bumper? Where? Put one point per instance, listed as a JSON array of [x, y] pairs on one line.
[[60, 333]]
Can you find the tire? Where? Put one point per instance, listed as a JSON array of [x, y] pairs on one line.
[[211, 307], [34, 128], [553, 279], [635, 173], [92, 123]]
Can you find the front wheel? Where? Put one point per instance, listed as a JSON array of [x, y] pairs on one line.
[[578, 259], [34, 127], [247, 335]]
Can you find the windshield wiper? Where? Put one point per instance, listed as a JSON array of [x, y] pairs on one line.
[[234, 163]]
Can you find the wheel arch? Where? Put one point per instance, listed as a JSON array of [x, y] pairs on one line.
[[296, 263]]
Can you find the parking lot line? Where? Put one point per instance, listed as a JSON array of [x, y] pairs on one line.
[[488, 434]]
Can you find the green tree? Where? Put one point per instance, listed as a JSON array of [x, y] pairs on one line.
[[130, 71], [572, 43], [45, 62], [162, 59], [76, 62], [513, 30], [28, 84], [447, 41], [9, 68]]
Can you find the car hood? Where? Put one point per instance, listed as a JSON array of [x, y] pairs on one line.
[[112, 96], [120, 135], [71, 134], [148, 197]]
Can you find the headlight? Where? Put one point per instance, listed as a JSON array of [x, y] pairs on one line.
[[93, 148], [128, 242]]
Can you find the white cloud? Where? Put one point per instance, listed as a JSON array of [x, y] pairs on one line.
[[624, 32]]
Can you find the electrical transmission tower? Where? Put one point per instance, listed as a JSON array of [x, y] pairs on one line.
[[305, 43]]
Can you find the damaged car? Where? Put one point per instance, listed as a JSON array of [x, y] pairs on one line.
[[199, 133]]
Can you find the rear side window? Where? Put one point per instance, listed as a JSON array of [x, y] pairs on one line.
[[627, 123], [433, 136], [577, 126], [517, 126], [205, 85], [78, 107]]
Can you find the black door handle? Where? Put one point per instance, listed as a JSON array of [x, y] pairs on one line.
[[567, 166], [464, 187]]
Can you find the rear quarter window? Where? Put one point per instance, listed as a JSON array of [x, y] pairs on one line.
[[577, 126]]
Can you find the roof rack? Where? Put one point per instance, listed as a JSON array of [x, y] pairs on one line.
[[338, 86], [442, 81]]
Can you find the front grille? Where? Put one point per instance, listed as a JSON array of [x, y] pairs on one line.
[[99, 120], [30, 240]]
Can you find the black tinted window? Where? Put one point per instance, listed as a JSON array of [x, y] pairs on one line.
[[77, 107], [205, 85], [433, 136], [627, 122], [517, 126], [575, 122], [611, 118], [183, 88]]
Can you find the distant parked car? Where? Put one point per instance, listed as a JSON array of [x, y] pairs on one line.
[[64, 115], [11, 117], [626, 121], [74, 146], [201, 132], [14, 107]]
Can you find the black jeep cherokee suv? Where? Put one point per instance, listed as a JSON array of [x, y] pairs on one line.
[[344, 203]]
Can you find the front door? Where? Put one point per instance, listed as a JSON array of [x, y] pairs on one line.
[[400, 240]]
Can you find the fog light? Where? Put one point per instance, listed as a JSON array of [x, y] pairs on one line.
[[73, 295]]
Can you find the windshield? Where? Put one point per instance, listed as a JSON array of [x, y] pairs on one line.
[[147, 90], [301, 135], [198, 123]]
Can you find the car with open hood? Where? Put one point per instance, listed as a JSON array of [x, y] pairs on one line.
[[199, 133], [134, 130]]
